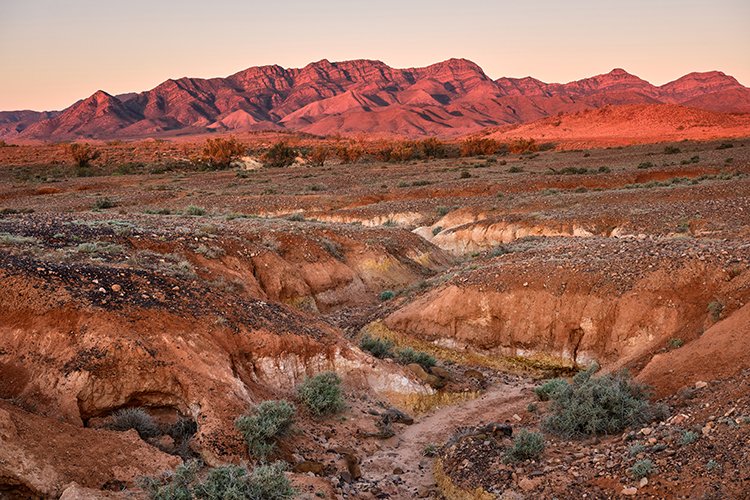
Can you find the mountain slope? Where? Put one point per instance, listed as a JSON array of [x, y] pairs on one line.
[[450, 98]]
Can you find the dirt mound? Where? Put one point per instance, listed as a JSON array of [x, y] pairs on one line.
[[719, 353]]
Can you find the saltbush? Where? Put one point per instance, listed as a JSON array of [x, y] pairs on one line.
[[322, 394], [545, 391], [264, 424], [604, 404], [408, 355], [527, 445], [220, 153], [642, 468], [380, 348], [279, 155]]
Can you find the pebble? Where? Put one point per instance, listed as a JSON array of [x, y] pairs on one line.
[[629, 492]]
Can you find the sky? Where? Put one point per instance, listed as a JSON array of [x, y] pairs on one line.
[[54, 52]]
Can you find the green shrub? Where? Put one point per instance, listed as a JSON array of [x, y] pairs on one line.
[[675, 343], [671, 150], [322, 394], [642, 468], [526, 446], [689, 437], [172, 485], [714, 309], [264, 424], [436, 230], [380, 348], [430, 450], [134, 418], [408, 355], [636, 449], [228, 482], [599, 405], [645, 165], [545, 391], [386, 295], [193, 210], [103, 204]]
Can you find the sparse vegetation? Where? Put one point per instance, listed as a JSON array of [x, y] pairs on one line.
[[605, 404], [83, 154], [318, 155], [714, 309], [279, 155], [228, 482], [636, 449], [671, 150], [527, 445], [380, 348], [219, 153], [479, 146], [322, 394], [689, 437], [134, 418], [430, 450], [264, 424], [386, 295], [545, 391], [195, 211], [675, 343], [408, 355], [103, 204], [642, 468]]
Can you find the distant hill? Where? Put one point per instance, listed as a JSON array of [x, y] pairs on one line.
[[447, 99]]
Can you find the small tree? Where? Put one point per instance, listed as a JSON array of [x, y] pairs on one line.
[[83, 154], [220, 153], [318, 155], [279, 155], [349, 153]]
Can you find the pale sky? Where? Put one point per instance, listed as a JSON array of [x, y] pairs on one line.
[[54, 52]]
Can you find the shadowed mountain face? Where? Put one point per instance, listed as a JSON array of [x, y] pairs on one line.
[[450, 98]]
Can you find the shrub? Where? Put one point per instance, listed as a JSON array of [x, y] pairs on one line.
[[689, 437], [515, 169], [380, 348], [193, 210], [636, 449], [279, 155], [671, 150], [714, 309], [264, 424], [386, 295], [83, 154], [479, 146], [408, 355], [519, 146], [318, 155], [545, 391], [134, 418], [432, 148], [436, 230], [228, 482], [430, 450], [725, 145], [464, 174], [220, 153], [172, 485], [642, 468], [349, 153], [526, 446], [103, 204], [322, 394], [599, 405], [675, 343], [646, 164]]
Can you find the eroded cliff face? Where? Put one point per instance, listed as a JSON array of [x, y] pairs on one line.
[[603, 304]]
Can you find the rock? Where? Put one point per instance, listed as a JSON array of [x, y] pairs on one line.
[[527, 484], [643, 482], [309, 466], [629, 492], [646, 431], [701, 384], [116, 288], [440, 372], [425, 377], [516, 417], [475, 374], [398, 471], [75, 491]]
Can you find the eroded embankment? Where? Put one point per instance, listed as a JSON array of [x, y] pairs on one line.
[[573, 302]]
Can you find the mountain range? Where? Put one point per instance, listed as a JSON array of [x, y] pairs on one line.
[[450, 98]]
